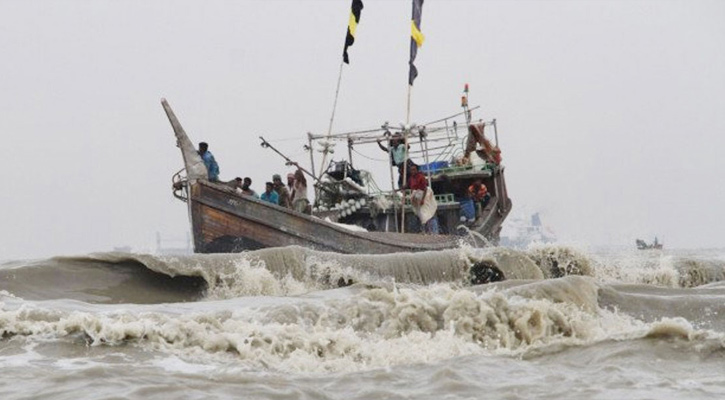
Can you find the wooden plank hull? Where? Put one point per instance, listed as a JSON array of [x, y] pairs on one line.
[[223, 222]]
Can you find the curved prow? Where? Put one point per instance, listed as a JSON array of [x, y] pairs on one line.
[[195, 168]]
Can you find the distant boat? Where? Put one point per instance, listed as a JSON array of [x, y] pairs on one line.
[[642, 245], [521, 231]]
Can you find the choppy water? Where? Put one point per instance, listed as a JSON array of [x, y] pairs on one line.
[[276, 324]]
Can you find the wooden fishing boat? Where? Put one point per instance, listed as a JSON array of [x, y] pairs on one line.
[[223, 220], [642, 245]]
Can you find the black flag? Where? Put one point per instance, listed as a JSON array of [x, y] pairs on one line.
[[357, 6], [416, 39]]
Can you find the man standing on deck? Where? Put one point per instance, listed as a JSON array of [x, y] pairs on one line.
[[290, 183], [211, 166], [397, 155], [246, 188], [423, 201], [284, 195], [269, 194]]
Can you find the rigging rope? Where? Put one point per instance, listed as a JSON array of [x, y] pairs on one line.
[[289, 139], [368, 157], [332, 117]]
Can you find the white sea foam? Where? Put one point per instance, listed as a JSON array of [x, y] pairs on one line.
[[273, 324], [371, 329]]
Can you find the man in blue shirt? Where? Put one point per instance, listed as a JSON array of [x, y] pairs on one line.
[[211, 166], [269, 194], [397, 154]]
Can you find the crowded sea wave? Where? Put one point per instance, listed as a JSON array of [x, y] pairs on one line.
[[552, 322]]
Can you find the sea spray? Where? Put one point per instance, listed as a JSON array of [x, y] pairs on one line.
[[556, 261], [696, 272], [659, 269]]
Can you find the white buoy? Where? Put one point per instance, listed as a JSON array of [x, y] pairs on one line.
[[351, 201], [362, 202]]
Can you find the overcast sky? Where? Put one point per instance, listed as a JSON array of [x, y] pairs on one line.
[[611, 113]]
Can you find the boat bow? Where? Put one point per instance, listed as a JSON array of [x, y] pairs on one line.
[[195, 168]]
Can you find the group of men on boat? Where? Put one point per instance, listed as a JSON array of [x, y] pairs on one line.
[[293, 195], [421, 196], [473, 199]]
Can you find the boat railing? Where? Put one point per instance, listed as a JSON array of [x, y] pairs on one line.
[[394, 198], [179, 186]]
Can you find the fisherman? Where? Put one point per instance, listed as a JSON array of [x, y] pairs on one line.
[[290, 183], [284, 194], [478, 192], [236, 184], [394, 142], [397, 154], [300, 203], [423, 200], [269, 194], [246, 188], [477, 198], [211, 166]]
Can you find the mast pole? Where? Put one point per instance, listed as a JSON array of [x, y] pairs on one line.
[[405, 159], [312, 163], [392, 185], [312, 151], [332, 118], [424, 147], [495, 131], [349, 149]]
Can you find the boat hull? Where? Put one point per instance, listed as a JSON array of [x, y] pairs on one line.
[[224, 222]]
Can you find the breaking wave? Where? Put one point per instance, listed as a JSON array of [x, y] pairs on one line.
[[293, 271], [366, 328]]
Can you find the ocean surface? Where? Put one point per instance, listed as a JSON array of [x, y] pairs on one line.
[[291, 323]]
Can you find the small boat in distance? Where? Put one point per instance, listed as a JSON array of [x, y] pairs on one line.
[[642, 245]]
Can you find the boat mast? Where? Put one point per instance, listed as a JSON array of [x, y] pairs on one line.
[[311, 150], [405, 160], [355, 12], [392, 181], [423, 136], [416, 40], [326, 148]]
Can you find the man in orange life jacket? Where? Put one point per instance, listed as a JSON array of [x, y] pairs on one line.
[[479, 194]]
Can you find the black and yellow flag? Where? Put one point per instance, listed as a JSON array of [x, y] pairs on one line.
[[357, 6], [416, 39]]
